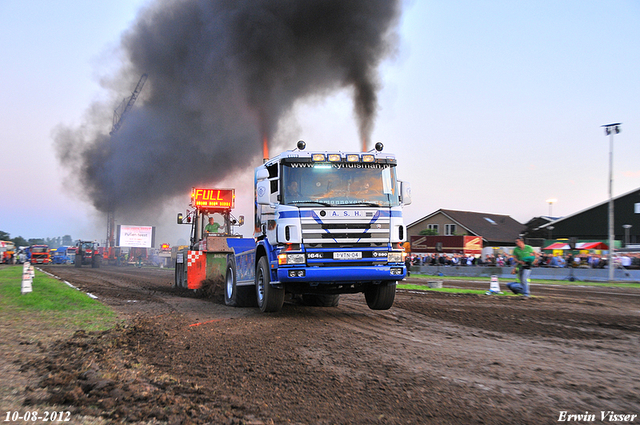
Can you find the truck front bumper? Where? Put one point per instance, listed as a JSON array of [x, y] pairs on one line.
[[341, 274]]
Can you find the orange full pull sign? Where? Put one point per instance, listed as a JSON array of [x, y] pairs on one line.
[[222, 199]]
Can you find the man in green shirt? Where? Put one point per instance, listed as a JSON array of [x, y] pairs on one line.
[[212, 227], [525, 257]]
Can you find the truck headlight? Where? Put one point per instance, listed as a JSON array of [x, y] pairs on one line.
[[394, 257], [285, 258]]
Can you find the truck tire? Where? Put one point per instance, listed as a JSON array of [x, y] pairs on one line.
[[179, 279], [78, 261], [176, 275], [234, 295], [270, 299], [230, 288], [380, 296], [321, 300], [95, 262]]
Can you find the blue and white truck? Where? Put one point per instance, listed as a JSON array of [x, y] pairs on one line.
[[62, 255], [326, 223]]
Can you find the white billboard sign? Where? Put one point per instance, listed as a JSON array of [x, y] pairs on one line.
[[136, 236]]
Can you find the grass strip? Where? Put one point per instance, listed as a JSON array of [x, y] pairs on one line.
[[51, 302]]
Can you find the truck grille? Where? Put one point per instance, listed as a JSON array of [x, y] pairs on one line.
[[350, 233]]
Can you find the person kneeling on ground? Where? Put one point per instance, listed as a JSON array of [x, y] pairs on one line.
[[525, 257]]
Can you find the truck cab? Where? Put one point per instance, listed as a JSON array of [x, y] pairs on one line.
[[7, 252], [40, 254]]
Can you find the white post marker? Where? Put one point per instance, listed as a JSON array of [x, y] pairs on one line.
[[494, 288], [27, 278]]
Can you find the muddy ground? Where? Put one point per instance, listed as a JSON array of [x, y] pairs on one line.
[[434, 358]]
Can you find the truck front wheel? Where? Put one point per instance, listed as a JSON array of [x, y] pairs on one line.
[[270, 299], [78, 261], [380, 296]]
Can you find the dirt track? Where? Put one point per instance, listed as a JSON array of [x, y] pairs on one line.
[[433, 358]]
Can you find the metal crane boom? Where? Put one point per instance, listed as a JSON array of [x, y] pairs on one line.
[[118, 117]]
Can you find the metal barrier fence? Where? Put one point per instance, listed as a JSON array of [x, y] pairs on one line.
[[549, 273]]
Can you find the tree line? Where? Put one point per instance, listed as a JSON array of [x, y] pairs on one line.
[[56, 242]]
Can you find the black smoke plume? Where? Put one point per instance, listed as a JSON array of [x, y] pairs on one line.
[[222, 73]]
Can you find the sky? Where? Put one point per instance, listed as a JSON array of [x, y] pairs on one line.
[[489, 106]]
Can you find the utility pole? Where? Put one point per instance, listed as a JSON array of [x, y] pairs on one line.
[[610, 130]]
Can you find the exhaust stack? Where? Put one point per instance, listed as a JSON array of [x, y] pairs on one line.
[[265, 149]]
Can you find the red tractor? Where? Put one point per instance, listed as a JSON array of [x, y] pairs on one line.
[[88, 253]]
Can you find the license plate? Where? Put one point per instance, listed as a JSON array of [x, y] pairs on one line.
[[347, 255]]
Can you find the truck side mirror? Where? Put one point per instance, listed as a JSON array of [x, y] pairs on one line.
[[263, 194], [405, 193], [262, 174], [179, 218]]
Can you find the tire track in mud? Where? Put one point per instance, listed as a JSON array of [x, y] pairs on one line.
[[132, 291], [114, 287]]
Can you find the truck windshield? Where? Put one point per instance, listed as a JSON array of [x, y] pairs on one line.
[[340, 184]]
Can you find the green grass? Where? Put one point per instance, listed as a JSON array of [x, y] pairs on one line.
[[51, 302]]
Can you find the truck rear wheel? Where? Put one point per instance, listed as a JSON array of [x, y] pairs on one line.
[[230, 288], [179, 278], [380, 296], [270, 299], [234, 295]]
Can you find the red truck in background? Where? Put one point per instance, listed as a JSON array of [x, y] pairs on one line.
[[40, 254], [7, 252]]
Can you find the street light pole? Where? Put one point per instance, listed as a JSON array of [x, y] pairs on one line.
[[551, 201], [610, 130]]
